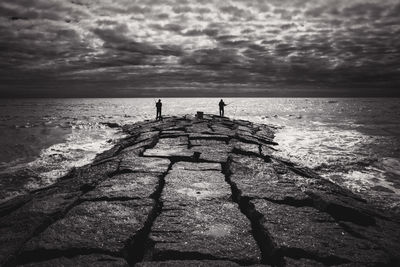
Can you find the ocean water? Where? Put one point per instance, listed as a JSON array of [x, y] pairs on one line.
[[354, 142]]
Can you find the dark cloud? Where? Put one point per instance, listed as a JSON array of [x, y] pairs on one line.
[[47, 46]]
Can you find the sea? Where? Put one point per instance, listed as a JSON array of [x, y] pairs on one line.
[[354, 142]]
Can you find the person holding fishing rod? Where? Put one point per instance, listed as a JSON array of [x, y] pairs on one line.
[[221, 107], [158, 107]]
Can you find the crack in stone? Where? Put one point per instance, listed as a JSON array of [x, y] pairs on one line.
[[263, 239], [136, 249]]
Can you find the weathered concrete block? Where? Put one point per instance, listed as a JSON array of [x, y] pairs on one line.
[[186, 186], [215, 153], [197, 166], [144, 164], [300, 231], [99, 226], [214, 230], [126, 186]]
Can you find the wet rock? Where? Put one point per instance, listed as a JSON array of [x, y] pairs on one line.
[[16, 229], [8, 206], [108, 154], [247, 138], [147, 135], [245, 129], [126, 186], [385, 234], [198, 127], [206, 142], [265, 133], [309, 233], [215, 153], [222, 130], [95, 260], [138, 148], [169, 151], [143, 164], [93, 226], [207, 231], [188, 186], [200, 166], [52, 204], [254, 178], [245, 148], [176, 141], [88, 176], [170, 147], [173, 134], [199, 220], [212, 136]]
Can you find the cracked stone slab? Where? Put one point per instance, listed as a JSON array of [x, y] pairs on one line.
[[50, 202], [161, 150], [176, 141], [100, 226], [211, 136], [15, 229], [316, 234], [88, 175], [254, 178], [173, 134], [144, 164], [251, 166], [198, 127], [138, 148], [126, 186], [251, 138], [95, 260], [215, 153], [216, 230], [267, 151], [274, 190], [223, 130], [245, 148], [245, 129], [188, 186], [340, 203], [198, 166], [207, 142]]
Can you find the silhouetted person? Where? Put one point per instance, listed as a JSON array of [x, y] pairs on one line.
[[221, 108], [158, 106]]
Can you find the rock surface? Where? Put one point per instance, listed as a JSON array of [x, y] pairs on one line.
[[195, 192]]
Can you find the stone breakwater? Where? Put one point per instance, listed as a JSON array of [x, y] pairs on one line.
[[195, 192]]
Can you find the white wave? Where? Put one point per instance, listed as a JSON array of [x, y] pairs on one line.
[[80, 148]]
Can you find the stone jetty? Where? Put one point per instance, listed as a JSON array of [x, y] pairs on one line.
[[187, 191]]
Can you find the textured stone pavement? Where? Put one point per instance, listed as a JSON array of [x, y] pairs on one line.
[[191, 192]]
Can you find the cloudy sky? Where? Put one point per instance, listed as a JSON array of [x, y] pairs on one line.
[[102, 48]]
